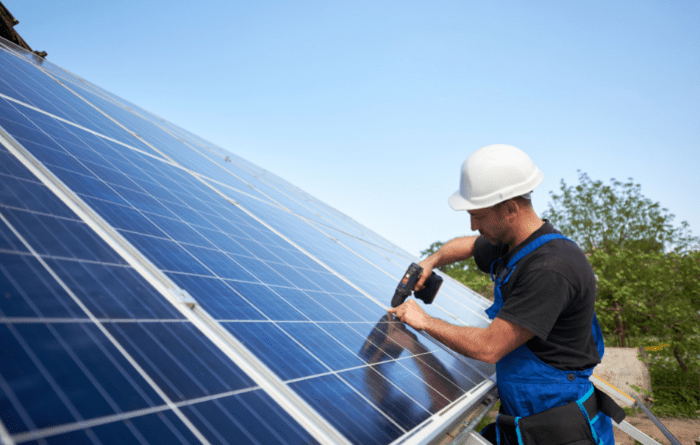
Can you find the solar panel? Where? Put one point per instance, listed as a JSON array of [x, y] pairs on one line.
[[158, 289]]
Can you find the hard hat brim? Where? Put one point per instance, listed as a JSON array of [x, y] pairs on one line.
[[458, 203]]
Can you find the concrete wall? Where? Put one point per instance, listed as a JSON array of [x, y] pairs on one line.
[[621, 368]]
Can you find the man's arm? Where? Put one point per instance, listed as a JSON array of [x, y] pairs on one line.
[[487, 345], [457, 249]]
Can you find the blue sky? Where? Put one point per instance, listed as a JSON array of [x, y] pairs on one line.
[[372, 106]]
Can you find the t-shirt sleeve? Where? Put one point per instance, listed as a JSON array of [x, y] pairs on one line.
[[537, 300]]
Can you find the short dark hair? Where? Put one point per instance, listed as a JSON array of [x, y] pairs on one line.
[[523, 202]]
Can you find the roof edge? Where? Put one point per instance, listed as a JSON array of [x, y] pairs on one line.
[[7, 31]]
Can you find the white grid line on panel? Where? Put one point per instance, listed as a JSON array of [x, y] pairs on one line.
[[5, 438], [98, 421], [51, 320], [109, 336], [24, 416], [20, 209], [65, 121], [63, 258]]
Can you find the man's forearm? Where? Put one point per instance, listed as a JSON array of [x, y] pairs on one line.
[[486, 344], [457, 249], [466, 340]]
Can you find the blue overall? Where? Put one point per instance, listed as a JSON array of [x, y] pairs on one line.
[[527, 385]]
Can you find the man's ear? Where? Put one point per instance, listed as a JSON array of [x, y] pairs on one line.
[[512, 208]]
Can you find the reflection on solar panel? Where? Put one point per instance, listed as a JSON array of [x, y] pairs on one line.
[[157, 289]]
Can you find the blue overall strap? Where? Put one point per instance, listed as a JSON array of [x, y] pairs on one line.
[[498, 432], [510, 267], [534, 244], [517, 430], [497, 297]]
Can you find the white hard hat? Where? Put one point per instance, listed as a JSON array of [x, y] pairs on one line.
[[494, 174]]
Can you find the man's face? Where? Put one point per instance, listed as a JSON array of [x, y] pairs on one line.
[[490, 224]]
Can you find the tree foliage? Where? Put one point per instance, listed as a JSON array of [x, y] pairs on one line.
[[648, 269], [601, 216], [646, 299], [650, 295]]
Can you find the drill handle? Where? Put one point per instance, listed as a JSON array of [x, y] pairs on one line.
[[432, 286]]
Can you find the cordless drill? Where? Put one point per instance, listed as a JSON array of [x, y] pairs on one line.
[[408, 282]]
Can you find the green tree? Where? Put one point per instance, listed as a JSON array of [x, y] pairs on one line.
[[650, 295], [465, 272], [648, 269], [599, 216], [646, 299]]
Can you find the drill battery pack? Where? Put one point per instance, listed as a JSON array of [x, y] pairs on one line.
[[408, 282]]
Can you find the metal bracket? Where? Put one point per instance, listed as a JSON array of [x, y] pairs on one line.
[[184, 297], [476, 439]]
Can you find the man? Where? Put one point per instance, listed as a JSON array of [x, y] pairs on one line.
[[545, 338]]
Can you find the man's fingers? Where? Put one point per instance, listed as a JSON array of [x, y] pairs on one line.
[[396, 313], [420, 284]]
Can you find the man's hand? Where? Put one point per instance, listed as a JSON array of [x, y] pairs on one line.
[[427, 265], [410, 313]]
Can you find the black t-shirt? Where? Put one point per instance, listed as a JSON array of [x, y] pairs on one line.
[[551, 293]]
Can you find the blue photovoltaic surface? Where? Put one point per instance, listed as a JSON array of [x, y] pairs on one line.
[[58, 369], [302, 286]]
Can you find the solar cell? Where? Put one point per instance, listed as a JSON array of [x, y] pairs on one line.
[[284, 336]]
